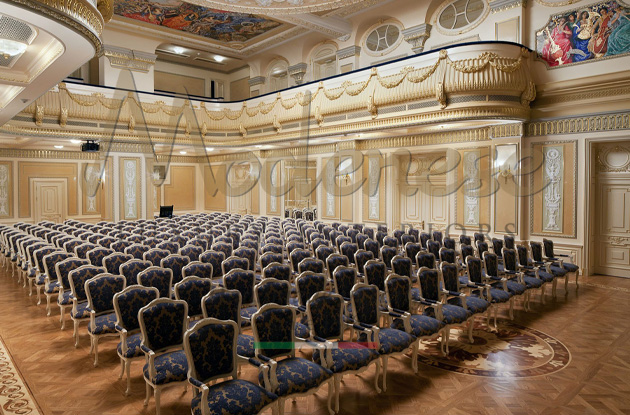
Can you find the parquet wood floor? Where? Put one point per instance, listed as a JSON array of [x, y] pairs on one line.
[[593, 323]]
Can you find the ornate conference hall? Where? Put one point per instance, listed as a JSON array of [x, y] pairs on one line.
[[387, 207]]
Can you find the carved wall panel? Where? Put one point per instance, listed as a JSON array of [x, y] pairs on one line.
[[215, 193], [130, 198], [6, 189], [91, 187], [473, 189]]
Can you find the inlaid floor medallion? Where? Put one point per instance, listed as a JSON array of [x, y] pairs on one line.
[[512, 351], [15, 398]]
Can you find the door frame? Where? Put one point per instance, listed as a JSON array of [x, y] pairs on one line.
[[64, 197]]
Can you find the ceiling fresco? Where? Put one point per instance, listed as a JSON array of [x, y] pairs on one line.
[[210, 23]]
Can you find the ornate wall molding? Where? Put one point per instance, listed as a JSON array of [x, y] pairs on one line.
[[553, 195], [348, 52], [506, 130], [497, 6], [257, 80], [129, 59], [6, 189], [416, 36], [582, 124], [613, 158], [297, 72]]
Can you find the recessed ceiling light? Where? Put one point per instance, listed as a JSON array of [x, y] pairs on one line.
[[179, 50], [219, 58], [209, 148], [258, 146], [75, 141], [182, 152], [58, 146]]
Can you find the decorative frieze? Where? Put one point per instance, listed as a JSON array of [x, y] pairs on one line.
[[348, 52], [416, 36], [256, 80], [132, 60], [497, 6]]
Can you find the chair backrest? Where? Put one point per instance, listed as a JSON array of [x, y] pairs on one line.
[[296, 256], [160, 278], [497, 246], [101, 289], [437, 236], [51, 260], [274, 325], [424, 238], [448, 255], [215, 258], [63, 268], [479, 237], [191, 251], [170, 246], [412, 249], [449, 243], [307, 284], [71, 244], [198, 269], [269, 257], [372, 246], [509, 260], [243, 281], [360, 239], [390, 241], [466, 251], [224, 247], [78, 277], [465, 240], [210, 348], [387, 254], [120, 246], [434, 248], [429, 280], [248, 253], [325, 315], [278, 271], [375, 273], [175, 263], [491, 264], [82, 250], [128, 302], [361, 257], [222, 304], [40, 254], [537, 251], [522, 255], [482, 247], [112, 262], [548, 245], [311, 264], [234, 262], [273, 247], [402, 265], [132, 268], [398, 292], [344, 279], [474, 267], [508, 241], [365, 300], [406, 238], [163, 323], [450, 276], [192, 290], [137, 250], [96, 255], [271, 290]]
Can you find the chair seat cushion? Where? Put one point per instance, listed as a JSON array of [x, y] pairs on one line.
[[245, 345], [353, 356], [393, 340], [40, 279], [103, 324], [246, 314], [475, 304], [302, 331], [515, 287], [452, 314], [169, 367], [65, 298], [533, 282], [133, 346], [420, 325], [234, 397], [463, 279], [53, 287], [570, 267], [557, 271], [297, 375], [498, 295], [544, 276], [81, 312]]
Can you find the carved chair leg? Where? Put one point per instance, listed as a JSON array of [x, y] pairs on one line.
[[384, 373], [376, 375]]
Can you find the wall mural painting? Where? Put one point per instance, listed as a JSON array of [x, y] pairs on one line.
[[597, 31], [214, 24]]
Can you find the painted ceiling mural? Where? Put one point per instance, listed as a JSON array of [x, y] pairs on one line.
[[214, 24]]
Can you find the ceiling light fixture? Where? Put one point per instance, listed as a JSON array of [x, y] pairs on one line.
[[10, 47], [75, 141], [58, 146], [258, 146], [179, 50], [219, 58], [182, 152], [209, 148]]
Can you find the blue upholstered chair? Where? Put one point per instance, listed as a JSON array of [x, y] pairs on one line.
[[508, 242], [77, 279], [160, 278], [191, 251], [224, 247], [192, 290], [433, 247], [243, 281], [127, 304], [367, 313], [335, 260], [273, 247], [562, 261], [422, 326], [277, 270], [361, 257], [163, 323], [449, 256], [64, 299], [137, 250], [375, 274], [325, 321], [311, 264], [175, 263], [269, 257], [465, 240], [81, 250], [323, 252], [449, 243], [272, 290], [274, 338], [296, 256], [51, 283], [412, 249], [391, 241], [224, 304], [215, 258], [513, 283], [533, 270], [100, 292], [497, 248], [387, 254], [437, 236], [96, 255], [476, 281], [39, 280], [453, 291], [250, 254], [424, 238], [169, 246], [211, 350], [112, 262], [403, 265], [120, 246], [511, 268], [234, 262], [132, 268], [198, 269], [431, 293]]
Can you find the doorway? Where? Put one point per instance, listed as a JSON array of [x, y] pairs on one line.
[[49, 200]]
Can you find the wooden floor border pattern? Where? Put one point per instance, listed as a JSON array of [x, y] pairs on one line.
[[15, 397]]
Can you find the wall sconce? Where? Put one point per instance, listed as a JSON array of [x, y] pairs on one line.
[[346, 179], [506, 174]]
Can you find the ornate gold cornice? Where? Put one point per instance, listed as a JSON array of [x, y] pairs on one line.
[[48, 154], [129, 59], [506, 130], [582, 124], [80, 15]]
